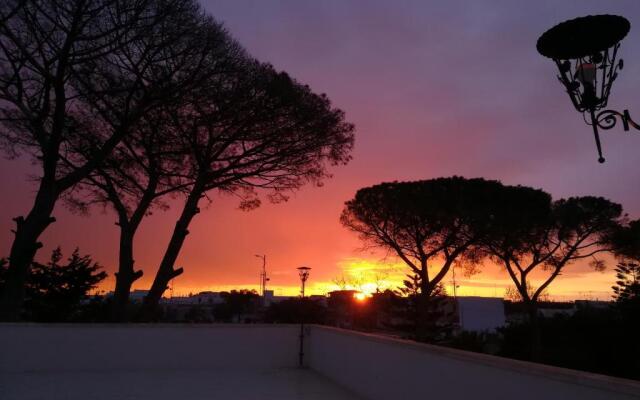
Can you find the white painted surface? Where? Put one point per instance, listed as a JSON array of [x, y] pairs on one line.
[[94, 347], [210, 384], [158, 362], [383, 368], [479, 314]]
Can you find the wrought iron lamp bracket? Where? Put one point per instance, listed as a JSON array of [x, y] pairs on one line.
[[585, 50], [608, 119]]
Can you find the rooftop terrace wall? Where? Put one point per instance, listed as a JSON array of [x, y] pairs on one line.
[[104, 347], [380, 368], [371, 366]]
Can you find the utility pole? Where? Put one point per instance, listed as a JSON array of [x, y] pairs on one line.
[[263, 278], [455, 286], [455, 295]]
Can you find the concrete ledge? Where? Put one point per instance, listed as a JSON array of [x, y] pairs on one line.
[[395, 357], [109, 347], [372, 366], [141, 325]]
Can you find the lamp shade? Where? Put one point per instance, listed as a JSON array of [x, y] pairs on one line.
[[582, 37], [585, 51]]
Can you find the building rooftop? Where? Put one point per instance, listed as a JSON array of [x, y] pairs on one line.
[[277, 383], [254, 361]]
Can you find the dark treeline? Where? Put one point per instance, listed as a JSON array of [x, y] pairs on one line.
[[126, 104], [594, 337], [59, 291], [434, 224]]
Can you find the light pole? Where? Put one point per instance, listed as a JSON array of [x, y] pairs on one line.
[[263, 276], [303, 273], [585, 50]]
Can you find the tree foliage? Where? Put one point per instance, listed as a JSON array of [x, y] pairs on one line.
[[431, 223], [236, 303], [150, 163], [627, 287], [537, 234], [626, 244], [257, 130], [56, 290], [75, 78], [532, 233]]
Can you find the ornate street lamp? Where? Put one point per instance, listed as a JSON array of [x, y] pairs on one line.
[[586, 52], [303, 272]]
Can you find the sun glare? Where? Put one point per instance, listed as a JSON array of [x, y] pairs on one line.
[[360, 296]]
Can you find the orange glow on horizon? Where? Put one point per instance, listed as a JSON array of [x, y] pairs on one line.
[[370, 276], [425, 126]]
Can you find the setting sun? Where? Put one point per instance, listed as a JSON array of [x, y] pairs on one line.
[[360, 296]]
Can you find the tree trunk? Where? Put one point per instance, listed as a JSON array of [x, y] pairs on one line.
[[166, 271], [422, 323], [24, 247], [535, 339], [125, 275]]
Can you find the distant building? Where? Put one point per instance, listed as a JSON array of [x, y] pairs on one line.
[[136, 296], [597, 304], [270, 298], [480, 314]]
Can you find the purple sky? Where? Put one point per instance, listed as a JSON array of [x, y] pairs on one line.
[[434, 88]]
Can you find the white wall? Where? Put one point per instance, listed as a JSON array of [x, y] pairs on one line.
[[372, 366], [383, 368], [481, 313], [67, 347]]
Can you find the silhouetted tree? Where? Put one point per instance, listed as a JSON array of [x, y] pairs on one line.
[[291, 311], [133, 182], [235, 304], [626, 241], [532, 233], [593, 339], [75, 77], [390, 310], [427, 224], [626, 244], [433, 316], [627, 287], [627, 305], [198, 314], [149, 163], [263, 130], [56, 291], [3, 270]]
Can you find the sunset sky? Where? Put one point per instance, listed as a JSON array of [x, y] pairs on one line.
[[435, 88]]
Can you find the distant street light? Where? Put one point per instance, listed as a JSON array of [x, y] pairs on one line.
[[303, 272], [585, 50]]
